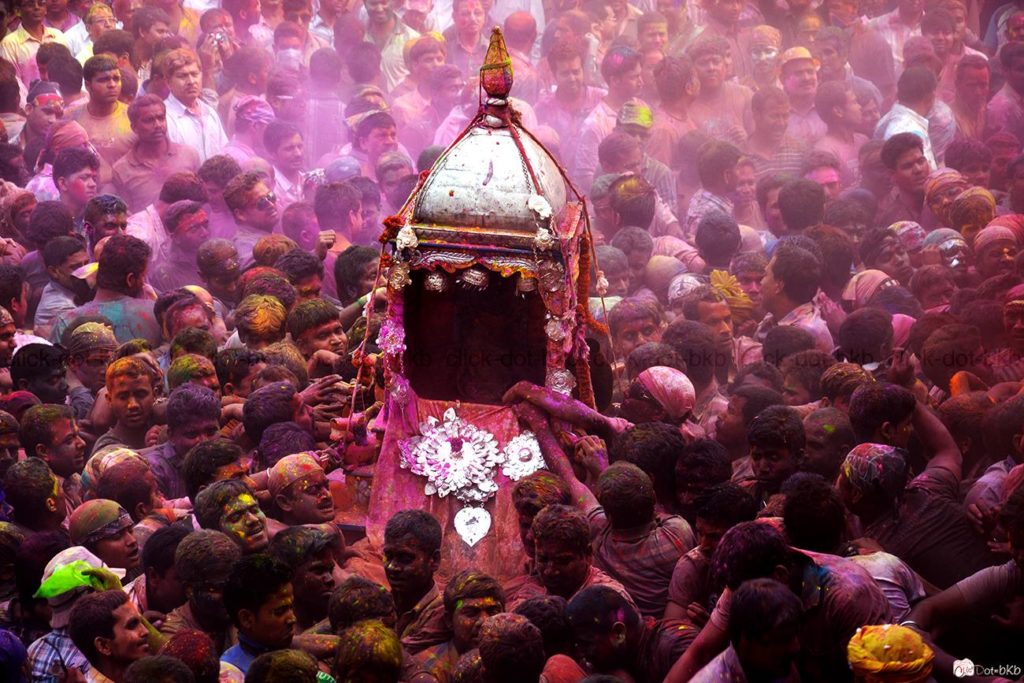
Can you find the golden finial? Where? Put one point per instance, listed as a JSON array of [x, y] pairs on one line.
[[496, 72]]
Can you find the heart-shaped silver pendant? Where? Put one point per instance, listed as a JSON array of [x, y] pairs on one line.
[[472, 524]]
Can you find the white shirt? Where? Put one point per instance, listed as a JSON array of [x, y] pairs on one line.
[[77, 36], [85, 53], [19, 48], [147, 226], [201, 6], [901, 119], [202, 132], [287, 192]]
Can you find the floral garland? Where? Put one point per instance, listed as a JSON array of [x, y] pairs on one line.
[[460, 459]]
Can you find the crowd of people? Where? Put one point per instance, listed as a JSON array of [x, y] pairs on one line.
[[805, 454]]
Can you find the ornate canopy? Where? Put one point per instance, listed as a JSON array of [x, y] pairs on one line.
[[496, 203]]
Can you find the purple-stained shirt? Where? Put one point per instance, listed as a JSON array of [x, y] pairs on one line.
[[423, 626], [438, 660], [166, 467], [902, 587], [1006, 111], [568, 124], [895, 32], [173, 268], [691, 580], [839, 596], [931, 532], [806, 316], [990, 589], [132, 318], [701, 204], [661, 645], [643, 559]]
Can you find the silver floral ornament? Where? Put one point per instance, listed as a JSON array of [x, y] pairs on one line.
[[552, 276], [400, 390], [544, 240], [455, 457], [435, 281], [398, 276], [406, 238], [391, 338], [475, 278], [561, 381], [526, 285], [555, 329], [522, 457]]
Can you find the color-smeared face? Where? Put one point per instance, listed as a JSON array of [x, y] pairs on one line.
[[823, 452], [894, 261], [800, 77], [729, 428], [273, 624], [635, 333], [186, 83], [912, 171], [469, 615], [105, 87], [289, 154], [91, 370], [772, 655], [599, 649], [710, 69], [131, 638], [32, 11], [107, 225], [66, 454], [310, 499], [725, 11], [193, 230], [43, 113], [996, 258], [561, 570], [51, 387], [772, 466], [245, 523], [329, 337], [1013, 324], [120, 550], [183, 437], [10, 445], [131, 400], [314, 580], [81, 186], [409, 568], [469, 17], [654, 37], [939, 202], [691, 483], [261, 210]]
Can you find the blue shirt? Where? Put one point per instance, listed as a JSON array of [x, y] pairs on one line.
[[244, 653]]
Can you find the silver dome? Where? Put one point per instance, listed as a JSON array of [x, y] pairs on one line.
[[482, 182]]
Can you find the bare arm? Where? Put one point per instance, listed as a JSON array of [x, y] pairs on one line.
[[929, 618], [710, 641], [937, 441], [554, 456], [562, 407]]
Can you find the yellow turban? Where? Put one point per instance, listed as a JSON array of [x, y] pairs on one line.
[[889, 653], [740, 305]]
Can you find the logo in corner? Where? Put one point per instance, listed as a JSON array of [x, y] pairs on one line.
[[963, 667]]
